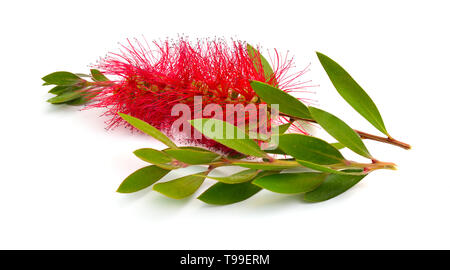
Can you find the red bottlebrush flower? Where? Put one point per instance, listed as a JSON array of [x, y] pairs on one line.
[[150, 80]]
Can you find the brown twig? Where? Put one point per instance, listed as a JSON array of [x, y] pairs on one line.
[[364, 135], [388, 140]]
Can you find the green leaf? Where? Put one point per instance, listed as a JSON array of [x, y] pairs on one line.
[[85, 98], [240, 177], [332, 187], [349, 89], [268, 166], [340, 131], [78, 101], [82, 75], [221, 193], [98, 76], [326, 169], [182, 187], [195, 148], [156, 157], [142, 178], [192, 156], [148, 129], [59, 89], [258, 136], [245, 145], [62, 78], [283, 128], [287, 103], [64, 97], [309, 148], [338, 145], [291, 183], [253, 53]]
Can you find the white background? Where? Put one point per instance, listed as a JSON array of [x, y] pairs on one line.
[[60, 167]]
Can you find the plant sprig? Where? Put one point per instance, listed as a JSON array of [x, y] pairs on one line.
[[322, 172], [72, 89], [325, 172], [308, 151]]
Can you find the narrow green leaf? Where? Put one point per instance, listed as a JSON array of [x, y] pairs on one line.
[[291, 183], [287, 103], [195, 148], [245, 145], [148, 129], [310, 148], [340, 131], [258, 136], [253, 53], [333, 186], [240, 177], [221, 193], [283, 128], [155, 157], [82, 75], [62, 78], [338, 145], [268, 166], [64, 97], [192, 156], [85, 98], [59, 89], [182, 187], [98, 76], [350, 90], [142, 178], [78, 101], [322, 168]]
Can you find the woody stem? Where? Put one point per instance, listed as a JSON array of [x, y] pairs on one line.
[[364, 135]]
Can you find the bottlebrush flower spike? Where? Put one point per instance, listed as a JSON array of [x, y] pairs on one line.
[[150, 80]]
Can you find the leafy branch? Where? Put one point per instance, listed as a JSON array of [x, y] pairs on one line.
[[72, 89], [324, 172], [309, 165]]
